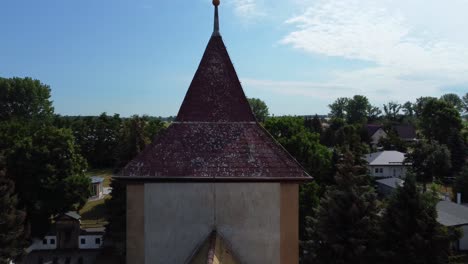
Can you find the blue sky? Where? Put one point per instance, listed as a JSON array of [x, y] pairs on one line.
[[138, 57]]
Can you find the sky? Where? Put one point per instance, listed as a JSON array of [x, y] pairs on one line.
[[139, 56]]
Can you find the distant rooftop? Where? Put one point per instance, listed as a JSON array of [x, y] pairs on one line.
[[451, 214], [96, 179], [391, 182], [388, 157]]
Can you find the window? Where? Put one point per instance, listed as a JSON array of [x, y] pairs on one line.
[[52, 241], [44, 241], [376, 170], [83, 241], [381, 170], [98, 241]]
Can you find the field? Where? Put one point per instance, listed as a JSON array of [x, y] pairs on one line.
[[93, 213]]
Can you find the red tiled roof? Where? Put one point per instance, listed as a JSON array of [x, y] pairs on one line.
[[215, 136]]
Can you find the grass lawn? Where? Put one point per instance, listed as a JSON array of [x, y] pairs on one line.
[[93, 213]]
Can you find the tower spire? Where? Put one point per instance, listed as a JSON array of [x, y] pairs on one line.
[[216, 19]]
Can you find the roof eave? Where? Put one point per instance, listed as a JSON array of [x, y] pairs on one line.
[[144, 179]]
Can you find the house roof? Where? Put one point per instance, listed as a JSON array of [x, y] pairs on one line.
[[451, 214], [391, 182], [372, 128], [70, 214], [388, 157], [215, 136], [214, 250], [405, 131], [96, 179]]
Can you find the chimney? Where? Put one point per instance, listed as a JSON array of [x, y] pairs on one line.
[[458, 198]]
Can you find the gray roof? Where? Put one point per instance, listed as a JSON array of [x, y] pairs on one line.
[[451, 214], [73, 214], [388, 157], [96, 179], [391, 182]]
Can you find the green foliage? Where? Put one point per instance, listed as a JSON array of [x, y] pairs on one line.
[[429, 160], [345, 227], [408, 109], [308, 202], [454, 100], [438, 118], [259, 108], [314, 125], [116, 208], [411, 231], [12, 231], [338, 108], [458, 151], [461, 184], [301, 144], [24, 98], [49, 175], [357, 109], [392, 111], [465, 102], [393, 142]]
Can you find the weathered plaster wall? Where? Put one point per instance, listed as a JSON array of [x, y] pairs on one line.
[[135, 223], [289, 223], [179, 216]]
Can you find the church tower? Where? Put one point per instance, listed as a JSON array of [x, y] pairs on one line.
[[215, 187]]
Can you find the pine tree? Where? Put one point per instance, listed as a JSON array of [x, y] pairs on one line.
[[12, 235], [412, 233], [461, 184], [345, 228]]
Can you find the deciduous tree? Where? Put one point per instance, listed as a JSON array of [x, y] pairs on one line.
[[259, 108]]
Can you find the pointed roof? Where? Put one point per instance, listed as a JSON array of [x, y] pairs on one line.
[[215, 94], [215, 136]]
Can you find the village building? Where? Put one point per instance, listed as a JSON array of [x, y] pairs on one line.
[[386, 186], [97, 189], [387, 164], [66, 242], [452, 214], [376, 133], [215, 185]]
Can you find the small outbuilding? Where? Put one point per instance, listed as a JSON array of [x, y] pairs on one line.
[[97, 190], [451, 214]]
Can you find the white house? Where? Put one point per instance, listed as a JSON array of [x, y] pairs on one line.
[[387, 164], [451, 214]]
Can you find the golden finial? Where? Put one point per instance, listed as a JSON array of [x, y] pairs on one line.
[[216, 2]]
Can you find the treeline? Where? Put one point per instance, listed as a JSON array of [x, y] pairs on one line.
[[341, 219], [44, 157]]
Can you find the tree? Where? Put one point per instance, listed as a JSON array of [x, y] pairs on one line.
[[301, 144], [412, 233], [259, 108], [48, 174], [345, 226], [420, 104], [12, 232], [429, 160], [454, 100], [458, 151], [24, 98], [373, 114], [437, 119], [314, 125], [392, 111], [465, 102], [357, 109], [338, 108], [461, 184], [408, 109]]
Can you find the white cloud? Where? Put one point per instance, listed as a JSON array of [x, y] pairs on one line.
[[248, 9], [413, 55]]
